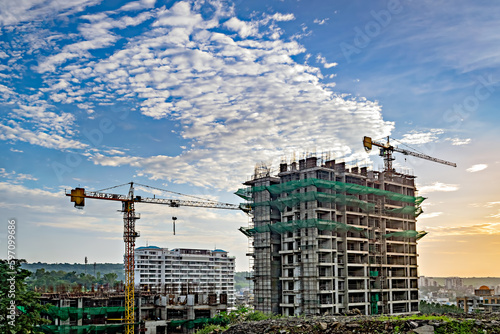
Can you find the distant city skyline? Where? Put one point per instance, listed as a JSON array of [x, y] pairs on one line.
[[190, 95]]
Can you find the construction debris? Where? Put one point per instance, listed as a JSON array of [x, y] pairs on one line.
[[374, 324]]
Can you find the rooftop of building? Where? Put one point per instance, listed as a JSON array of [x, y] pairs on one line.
[[147, 247], [184, 250]]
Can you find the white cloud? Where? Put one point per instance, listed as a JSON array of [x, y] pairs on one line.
[[114, 152], [320, 22], [17, 190], [14, 12], [137, 5], [179, 15], [477, 168], [244, 29], [438, 186], [16, 177], [96, 35], [418, 138], [459, 141], [6, 91], [15, 150], [231, 97], [475, 229], [44, 119], [113, 161], [16, 133], [429, 215], [283, 17], [494, 215], [322, 60]]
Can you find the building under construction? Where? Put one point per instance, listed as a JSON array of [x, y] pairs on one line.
[[328, 239], [102, 310]]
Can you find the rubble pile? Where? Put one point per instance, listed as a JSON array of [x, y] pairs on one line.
[[486, 323]]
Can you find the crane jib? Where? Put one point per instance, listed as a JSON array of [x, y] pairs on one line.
[[387, 149], [78, 196]]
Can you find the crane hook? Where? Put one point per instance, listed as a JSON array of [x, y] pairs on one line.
[[173, 220]]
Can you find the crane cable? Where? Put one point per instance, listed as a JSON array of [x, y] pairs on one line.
[[414, 149], [121, 185], [173, 192], [164, 190]]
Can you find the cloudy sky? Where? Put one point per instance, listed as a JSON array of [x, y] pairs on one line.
[[190, 95]]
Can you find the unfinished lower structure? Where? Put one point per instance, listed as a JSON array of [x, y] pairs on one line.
[[156, 313], [327, 239]]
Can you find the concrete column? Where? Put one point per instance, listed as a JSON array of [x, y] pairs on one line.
[[191, 314], [80, 305], [213, 312]]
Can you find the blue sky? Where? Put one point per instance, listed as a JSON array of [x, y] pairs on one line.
[[191, 95]]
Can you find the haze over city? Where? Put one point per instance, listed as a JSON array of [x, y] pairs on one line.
[[190, 95]]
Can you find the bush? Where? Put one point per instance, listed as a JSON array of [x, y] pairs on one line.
[[429, 308], [211, 328], [257, 316]]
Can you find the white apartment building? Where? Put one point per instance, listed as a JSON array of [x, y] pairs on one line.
[[185, 271]]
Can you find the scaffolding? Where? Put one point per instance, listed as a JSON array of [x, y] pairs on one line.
[[342, 187], [289, 197]]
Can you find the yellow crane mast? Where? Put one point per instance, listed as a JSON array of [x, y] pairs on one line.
[[78, 196]]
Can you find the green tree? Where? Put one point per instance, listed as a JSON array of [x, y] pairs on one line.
[[435, 308], [19, 308], [110, 278]]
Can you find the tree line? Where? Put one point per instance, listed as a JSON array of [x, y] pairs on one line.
[[50, 281]]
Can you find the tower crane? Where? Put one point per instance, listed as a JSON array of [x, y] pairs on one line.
[[78, 196], [387, 149]]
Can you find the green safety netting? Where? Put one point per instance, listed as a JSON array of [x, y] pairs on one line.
[[245, 193], [294, 199], [65, 313], [374, 303], [290, 226], [407, 234], [189, 324], [409, 210], [84, 329], [350, 188]]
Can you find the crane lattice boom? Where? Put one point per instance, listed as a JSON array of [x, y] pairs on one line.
[[169, 202], [425, 156]]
